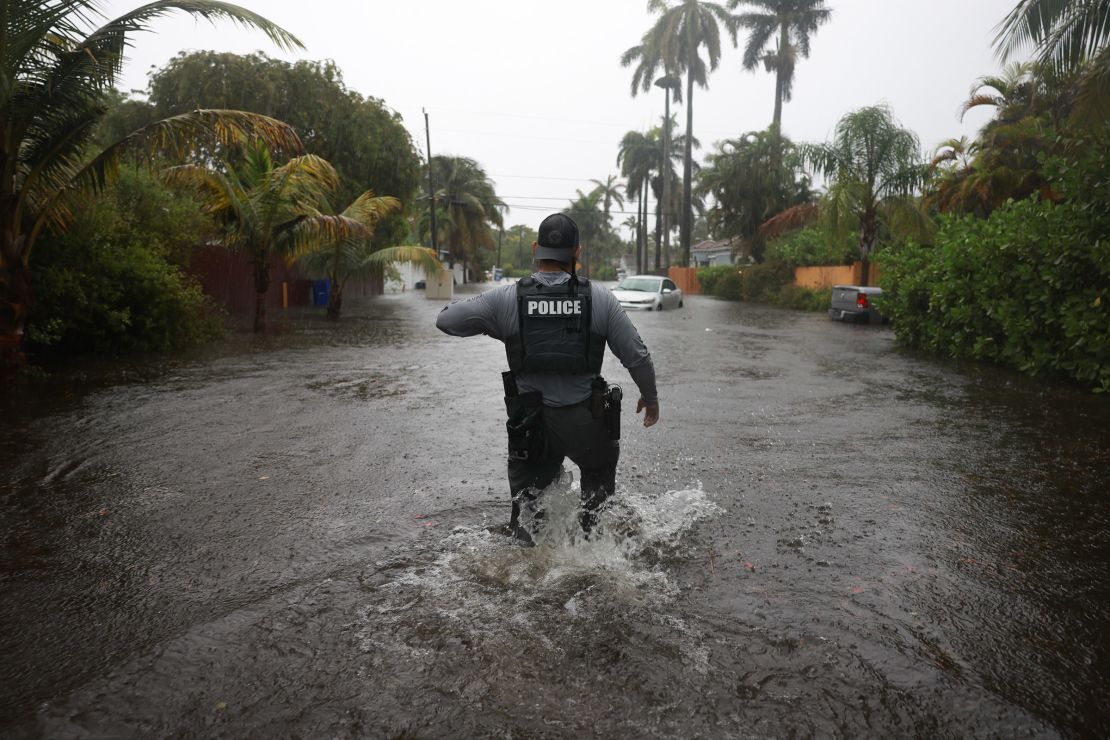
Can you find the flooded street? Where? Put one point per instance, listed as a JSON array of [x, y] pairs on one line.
[[297, 536]]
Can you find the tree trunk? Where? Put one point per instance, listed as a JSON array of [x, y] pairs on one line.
[[335, 301], [639, 231], [777, 120], [259, 313], [15, 299], [687, 169], [869, 230], [784, 41], [658, 234], [261, 286]]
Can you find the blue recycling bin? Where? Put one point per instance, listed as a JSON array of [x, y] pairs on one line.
[[320, 290]]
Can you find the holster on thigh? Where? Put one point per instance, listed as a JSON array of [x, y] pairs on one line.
[[525, 426]]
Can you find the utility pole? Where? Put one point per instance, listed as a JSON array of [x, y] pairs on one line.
[[520, 245], [431, 187], [500, 235]]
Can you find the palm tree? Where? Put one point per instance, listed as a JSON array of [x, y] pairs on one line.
[[610, 193], [56, 69], [790, 23], [586, 210], [648, 58], [751, 181], [1070, 37], [953, 181], [269, 210], [638, 158], [341, 259], [1016, 93], [467, 208], [674, 43], [874, 166], [1031, 104]]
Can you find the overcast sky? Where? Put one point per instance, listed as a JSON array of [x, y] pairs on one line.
[[534, 91]]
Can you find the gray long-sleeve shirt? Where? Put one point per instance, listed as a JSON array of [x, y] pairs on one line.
[[494, 313]]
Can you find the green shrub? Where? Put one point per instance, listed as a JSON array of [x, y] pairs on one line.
[[511, 271], [111, 282], [756, 283], [802, 299], [812, 247], [722, 281], [606, 272], [761, 282], [1029, 287]]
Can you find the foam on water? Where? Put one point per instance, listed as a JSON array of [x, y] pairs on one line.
[[478, 588]]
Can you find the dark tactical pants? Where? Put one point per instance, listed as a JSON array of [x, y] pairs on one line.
[[571, 431]]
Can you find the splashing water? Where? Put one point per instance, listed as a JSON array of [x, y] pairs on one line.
[[512, 609]]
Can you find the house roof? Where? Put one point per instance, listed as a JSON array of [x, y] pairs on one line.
[[712, 246]]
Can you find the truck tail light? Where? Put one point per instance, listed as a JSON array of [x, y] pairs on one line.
[[861, 301]]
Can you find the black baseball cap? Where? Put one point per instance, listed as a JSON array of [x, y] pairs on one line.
[[557, 239]]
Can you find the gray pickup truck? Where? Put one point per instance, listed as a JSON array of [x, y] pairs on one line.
[[854, 303]]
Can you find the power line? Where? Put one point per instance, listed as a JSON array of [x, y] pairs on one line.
[[488, 114], [542, 177]]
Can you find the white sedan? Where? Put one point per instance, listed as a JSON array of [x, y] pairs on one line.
[[648, 292]]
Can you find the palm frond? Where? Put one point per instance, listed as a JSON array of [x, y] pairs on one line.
[[1093, 101], [1064, 32], [792, 219], [178, 137], [209, 10], [216, 190], [420, 256], [369, 208], [308, 234]]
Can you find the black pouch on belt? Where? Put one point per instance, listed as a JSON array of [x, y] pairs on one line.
[[525, 426]]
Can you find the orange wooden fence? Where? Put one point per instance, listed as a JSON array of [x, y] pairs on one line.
[[686, 278], [826, 276]]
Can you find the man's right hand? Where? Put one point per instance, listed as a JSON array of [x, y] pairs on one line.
[[651, 415]]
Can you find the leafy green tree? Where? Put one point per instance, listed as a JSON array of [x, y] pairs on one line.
[[112, 282], [790, 23], [467, 208], [874, 167], [342, 259], [674, 44], [362, 137], [517, 248], [752, 179], [56, 68], [269, 209]]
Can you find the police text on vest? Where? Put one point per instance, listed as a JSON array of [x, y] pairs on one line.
[[555, 308]]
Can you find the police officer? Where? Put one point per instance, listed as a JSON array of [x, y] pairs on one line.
[[555, 326]]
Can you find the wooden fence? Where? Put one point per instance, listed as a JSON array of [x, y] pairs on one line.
[[686, 278], [826, 276]]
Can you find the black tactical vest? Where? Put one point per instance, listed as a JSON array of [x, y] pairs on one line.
[[555, 329]]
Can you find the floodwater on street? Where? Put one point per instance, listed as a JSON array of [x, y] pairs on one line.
[[298, 535]]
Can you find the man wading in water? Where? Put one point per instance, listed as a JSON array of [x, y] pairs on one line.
[[555, 326]]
